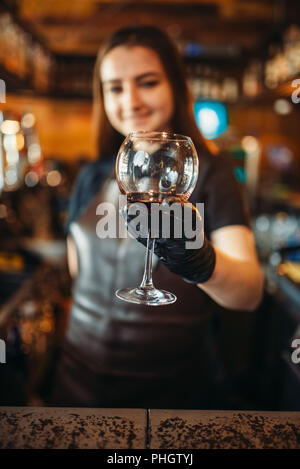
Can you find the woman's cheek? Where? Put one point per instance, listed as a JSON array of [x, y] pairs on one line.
[[109, 101], [157, 100]]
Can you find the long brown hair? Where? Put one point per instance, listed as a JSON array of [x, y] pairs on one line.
[[108, 140]]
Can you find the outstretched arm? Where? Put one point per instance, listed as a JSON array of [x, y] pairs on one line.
[[237, 281], [72, 257]]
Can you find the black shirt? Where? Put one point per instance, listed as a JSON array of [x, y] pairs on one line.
[[216, 187], [119, 354]]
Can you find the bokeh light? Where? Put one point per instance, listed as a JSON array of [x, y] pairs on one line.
[[9, 142], [34, 153], [20, 141], [282, 107], [211, 118], [10, 127], [12, 157], [28, 120], [31, 179], [54, 178], [250, 144], [11, 177]]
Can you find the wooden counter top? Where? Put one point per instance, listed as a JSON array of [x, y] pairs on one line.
[[49, 427]]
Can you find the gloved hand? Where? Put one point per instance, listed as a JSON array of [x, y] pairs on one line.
[[192, 258]]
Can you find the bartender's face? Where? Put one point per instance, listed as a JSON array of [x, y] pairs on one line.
[[137, 93]]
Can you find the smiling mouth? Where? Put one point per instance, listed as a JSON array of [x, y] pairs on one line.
[[137, 118]]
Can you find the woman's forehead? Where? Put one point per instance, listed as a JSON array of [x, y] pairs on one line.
[[125, 62]]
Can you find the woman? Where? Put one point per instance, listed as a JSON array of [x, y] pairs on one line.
[[118, 354]]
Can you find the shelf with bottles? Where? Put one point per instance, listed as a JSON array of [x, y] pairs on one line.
[[215, 80], [20, 150], [24, 60], [288, 91], [73, 76], [273, 72]]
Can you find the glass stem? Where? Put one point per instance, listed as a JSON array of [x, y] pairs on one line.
[[147, 282]]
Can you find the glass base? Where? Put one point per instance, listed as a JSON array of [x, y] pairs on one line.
[[146, 296]]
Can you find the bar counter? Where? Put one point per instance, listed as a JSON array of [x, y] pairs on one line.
[[83, 428]]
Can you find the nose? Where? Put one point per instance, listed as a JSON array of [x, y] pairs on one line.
[[131, 99]]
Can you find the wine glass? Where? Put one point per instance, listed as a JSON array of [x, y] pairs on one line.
[[153, 167]]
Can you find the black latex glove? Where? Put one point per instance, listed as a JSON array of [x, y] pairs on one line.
[[195, 265]]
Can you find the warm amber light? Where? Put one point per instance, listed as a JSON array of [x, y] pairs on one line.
[[20, 141], [46, 325], [10, 127], [250, 144]]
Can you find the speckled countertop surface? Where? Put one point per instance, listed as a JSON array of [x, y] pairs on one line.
[[193, 429], [42, 427], [49, 427]]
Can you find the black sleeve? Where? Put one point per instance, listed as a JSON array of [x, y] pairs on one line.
[[86, 186], [224, 200]]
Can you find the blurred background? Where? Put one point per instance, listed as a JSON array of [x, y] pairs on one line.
[[242, 59]]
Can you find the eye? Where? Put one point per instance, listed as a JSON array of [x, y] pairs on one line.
[[115, 89], [149, 84]]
